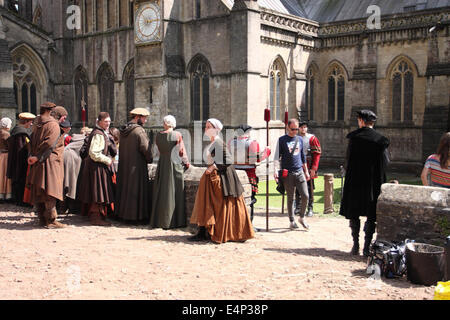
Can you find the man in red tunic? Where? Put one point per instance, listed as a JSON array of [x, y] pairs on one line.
[[313, 151], [246, 156]]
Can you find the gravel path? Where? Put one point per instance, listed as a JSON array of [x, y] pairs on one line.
[[123, 262]]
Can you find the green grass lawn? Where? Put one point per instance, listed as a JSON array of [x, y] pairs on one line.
[[275, 198]]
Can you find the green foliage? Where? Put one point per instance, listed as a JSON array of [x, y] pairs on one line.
[[275, 198], [443, 224]]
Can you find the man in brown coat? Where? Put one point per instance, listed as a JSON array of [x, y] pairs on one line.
[[47, 166], [133, 186]]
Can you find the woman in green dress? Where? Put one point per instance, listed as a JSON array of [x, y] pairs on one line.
[[168, 188]]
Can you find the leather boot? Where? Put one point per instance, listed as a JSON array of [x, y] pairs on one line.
[[369, 229], [310, 212], [56, 225], [51, 216], [200, 236], [40, 209], [355, 226], [96, 219]]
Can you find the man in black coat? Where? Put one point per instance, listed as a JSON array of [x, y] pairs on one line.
[[365, 173], [18, 152]]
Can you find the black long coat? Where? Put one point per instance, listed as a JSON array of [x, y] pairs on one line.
[[365, 173], [18, 152]]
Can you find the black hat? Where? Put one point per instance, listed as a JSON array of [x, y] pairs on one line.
[[65, 124], [303, 123], [367, 115], [245, 127]]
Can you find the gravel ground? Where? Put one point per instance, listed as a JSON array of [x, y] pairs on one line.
[[124, 262]]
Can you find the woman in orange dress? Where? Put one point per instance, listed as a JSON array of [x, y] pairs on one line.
[[219, 209]]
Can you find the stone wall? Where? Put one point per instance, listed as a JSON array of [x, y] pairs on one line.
[[413, 212], [191, 181], [7, 101]]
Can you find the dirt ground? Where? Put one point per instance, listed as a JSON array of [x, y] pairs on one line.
[[123, 262]]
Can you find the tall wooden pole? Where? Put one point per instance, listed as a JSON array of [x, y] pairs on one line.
[[267, 119], [286, 120]]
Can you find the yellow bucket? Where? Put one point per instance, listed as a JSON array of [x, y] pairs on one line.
[[442, 291]]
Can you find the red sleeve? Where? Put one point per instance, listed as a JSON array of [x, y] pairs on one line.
[[254, 149], [182, 150], [67, 140], [316, 152]]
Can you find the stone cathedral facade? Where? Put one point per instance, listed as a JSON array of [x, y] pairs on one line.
[[230, 59]]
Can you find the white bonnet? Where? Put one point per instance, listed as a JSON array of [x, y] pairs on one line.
[[6, 123], [216, 123], [170, 121]]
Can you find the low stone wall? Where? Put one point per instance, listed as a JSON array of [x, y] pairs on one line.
[[413, 212], [191, 181]]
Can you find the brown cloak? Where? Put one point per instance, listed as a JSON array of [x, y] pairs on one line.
[[46, 175]]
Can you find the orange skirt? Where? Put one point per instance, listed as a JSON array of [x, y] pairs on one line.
[[27, 190], [225, 218], [5, 183]]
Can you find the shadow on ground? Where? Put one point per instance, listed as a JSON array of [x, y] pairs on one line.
[[321, 252], [173, 238], [401, 283]]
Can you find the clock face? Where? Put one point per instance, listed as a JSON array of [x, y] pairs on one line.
[[148, 23]]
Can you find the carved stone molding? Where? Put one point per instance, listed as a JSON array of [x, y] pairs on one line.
[[393, 23], [290, 23]]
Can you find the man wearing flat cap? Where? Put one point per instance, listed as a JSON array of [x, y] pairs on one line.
[[366, 164], [133, 188], [47, 166], [247, 155], [18, 152], [66, 126]]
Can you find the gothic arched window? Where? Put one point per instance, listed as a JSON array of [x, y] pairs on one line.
[[198, 9], [111, 17], [336, 94], [81, 96], [37, 16], [99, 15], [14, 5], [25, 86], [277, 80], [131, 13], [402, 92], [200, 75], [129, 86], [309, 94], [106, 89]]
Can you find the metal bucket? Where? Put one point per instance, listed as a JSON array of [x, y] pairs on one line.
[[425, 263]]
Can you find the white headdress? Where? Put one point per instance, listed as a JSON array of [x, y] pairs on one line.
[[216, 123], [6, 123], [170, 121]]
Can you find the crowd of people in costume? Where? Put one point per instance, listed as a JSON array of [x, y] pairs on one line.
[[102, 173]]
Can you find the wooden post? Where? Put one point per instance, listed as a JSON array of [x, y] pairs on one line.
[[328, 193]]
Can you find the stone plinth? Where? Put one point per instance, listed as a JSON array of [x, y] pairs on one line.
[[413, 212], [191, 181]]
